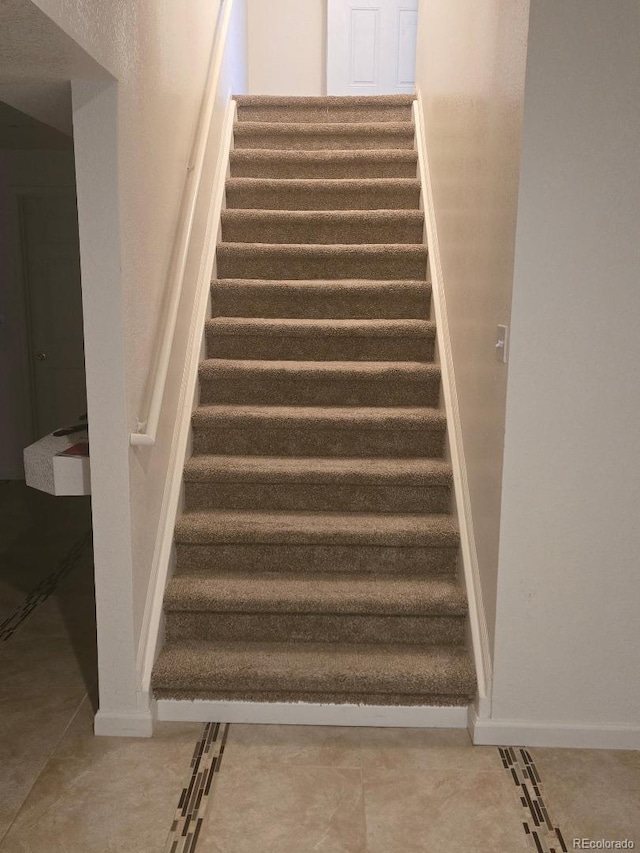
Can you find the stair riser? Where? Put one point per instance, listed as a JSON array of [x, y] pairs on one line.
[[333, 698], [323, 114], [271, 347], [317, 497], [317, 628], [258, 167], [305, 301], [237, 263], [322, 198], [317, 558], [282, 197], [355, 442], [318, 142], [243, 388], [277, 229]]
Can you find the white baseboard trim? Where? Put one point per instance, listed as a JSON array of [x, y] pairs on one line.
[[134, 724], [477, 615], [559, 735], [308, 714]]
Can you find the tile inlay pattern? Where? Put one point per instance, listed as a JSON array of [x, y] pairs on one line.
[[541, 833], [196, 795], [45, 588]]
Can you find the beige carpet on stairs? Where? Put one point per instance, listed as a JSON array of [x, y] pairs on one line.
[[316, 554]]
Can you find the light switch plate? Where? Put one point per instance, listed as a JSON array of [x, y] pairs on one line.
[[502, 344]]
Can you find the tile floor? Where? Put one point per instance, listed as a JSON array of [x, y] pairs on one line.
[[272, 789]]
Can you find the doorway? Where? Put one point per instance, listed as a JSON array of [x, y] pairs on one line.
[[371, 47], [53, 298]]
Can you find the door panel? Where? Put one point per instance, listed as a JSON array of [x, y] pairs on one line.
[[365, 47], [407, 27], [371, 47], [54, 302]]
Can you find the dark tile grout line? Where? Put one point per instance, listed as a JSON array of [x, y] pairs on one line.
[[3, 834], [196, 796], [542, 834], [44, 588]]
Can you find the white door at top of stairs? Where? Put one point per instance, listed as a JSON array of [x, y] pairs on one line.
[[371, 47]]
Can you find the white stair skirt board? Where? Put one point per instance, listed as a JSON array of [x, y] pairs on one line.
[[309, 714], [477, 617], [134, 724], [493, 732]]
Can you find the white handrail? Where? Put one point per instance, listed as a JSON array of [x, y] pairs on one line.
[[147, 429]]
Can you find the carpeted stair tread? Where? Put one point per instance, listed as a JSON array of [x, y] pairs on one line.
[[324, 431], [349, 164], [296, 418], [322, 194], [303, 328], [317, 484], [281, 592], [294, 261], [261, 469], [322, 226], [305, 528], [323, 299], [330, 383], [343, 671], [325, 108], [320, 340], [323, 100], [306, 370], [324, 135]]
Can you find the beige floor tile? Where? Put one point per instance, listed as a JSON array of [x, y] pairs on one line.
[[591, 793], [69, 616], [310, 746], [10, 599], [105, 795], [33, 720], [31, 724], [443, 812], [27, 565], [50, 663], [616, 766], [392, 753], [285, 810]]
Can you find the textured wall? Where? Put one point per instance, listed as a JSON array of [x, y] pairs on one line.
[[569, 587], [287, 47], [470, 76]]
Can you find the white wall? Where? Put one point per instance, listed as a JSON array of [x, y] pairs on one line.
[[287, 47], [470, 78], [567, 645], [138, 72], [20, 172]]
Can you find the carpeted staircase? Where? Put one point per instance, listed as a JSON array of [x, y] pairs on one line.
[[316, 557]]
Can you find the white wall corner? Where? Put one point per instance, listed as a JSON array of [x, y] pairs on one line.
[[495, 732], [477, 615]]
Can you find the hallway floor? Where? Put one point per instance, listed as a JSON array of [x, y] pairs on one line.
[[273, 789]]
